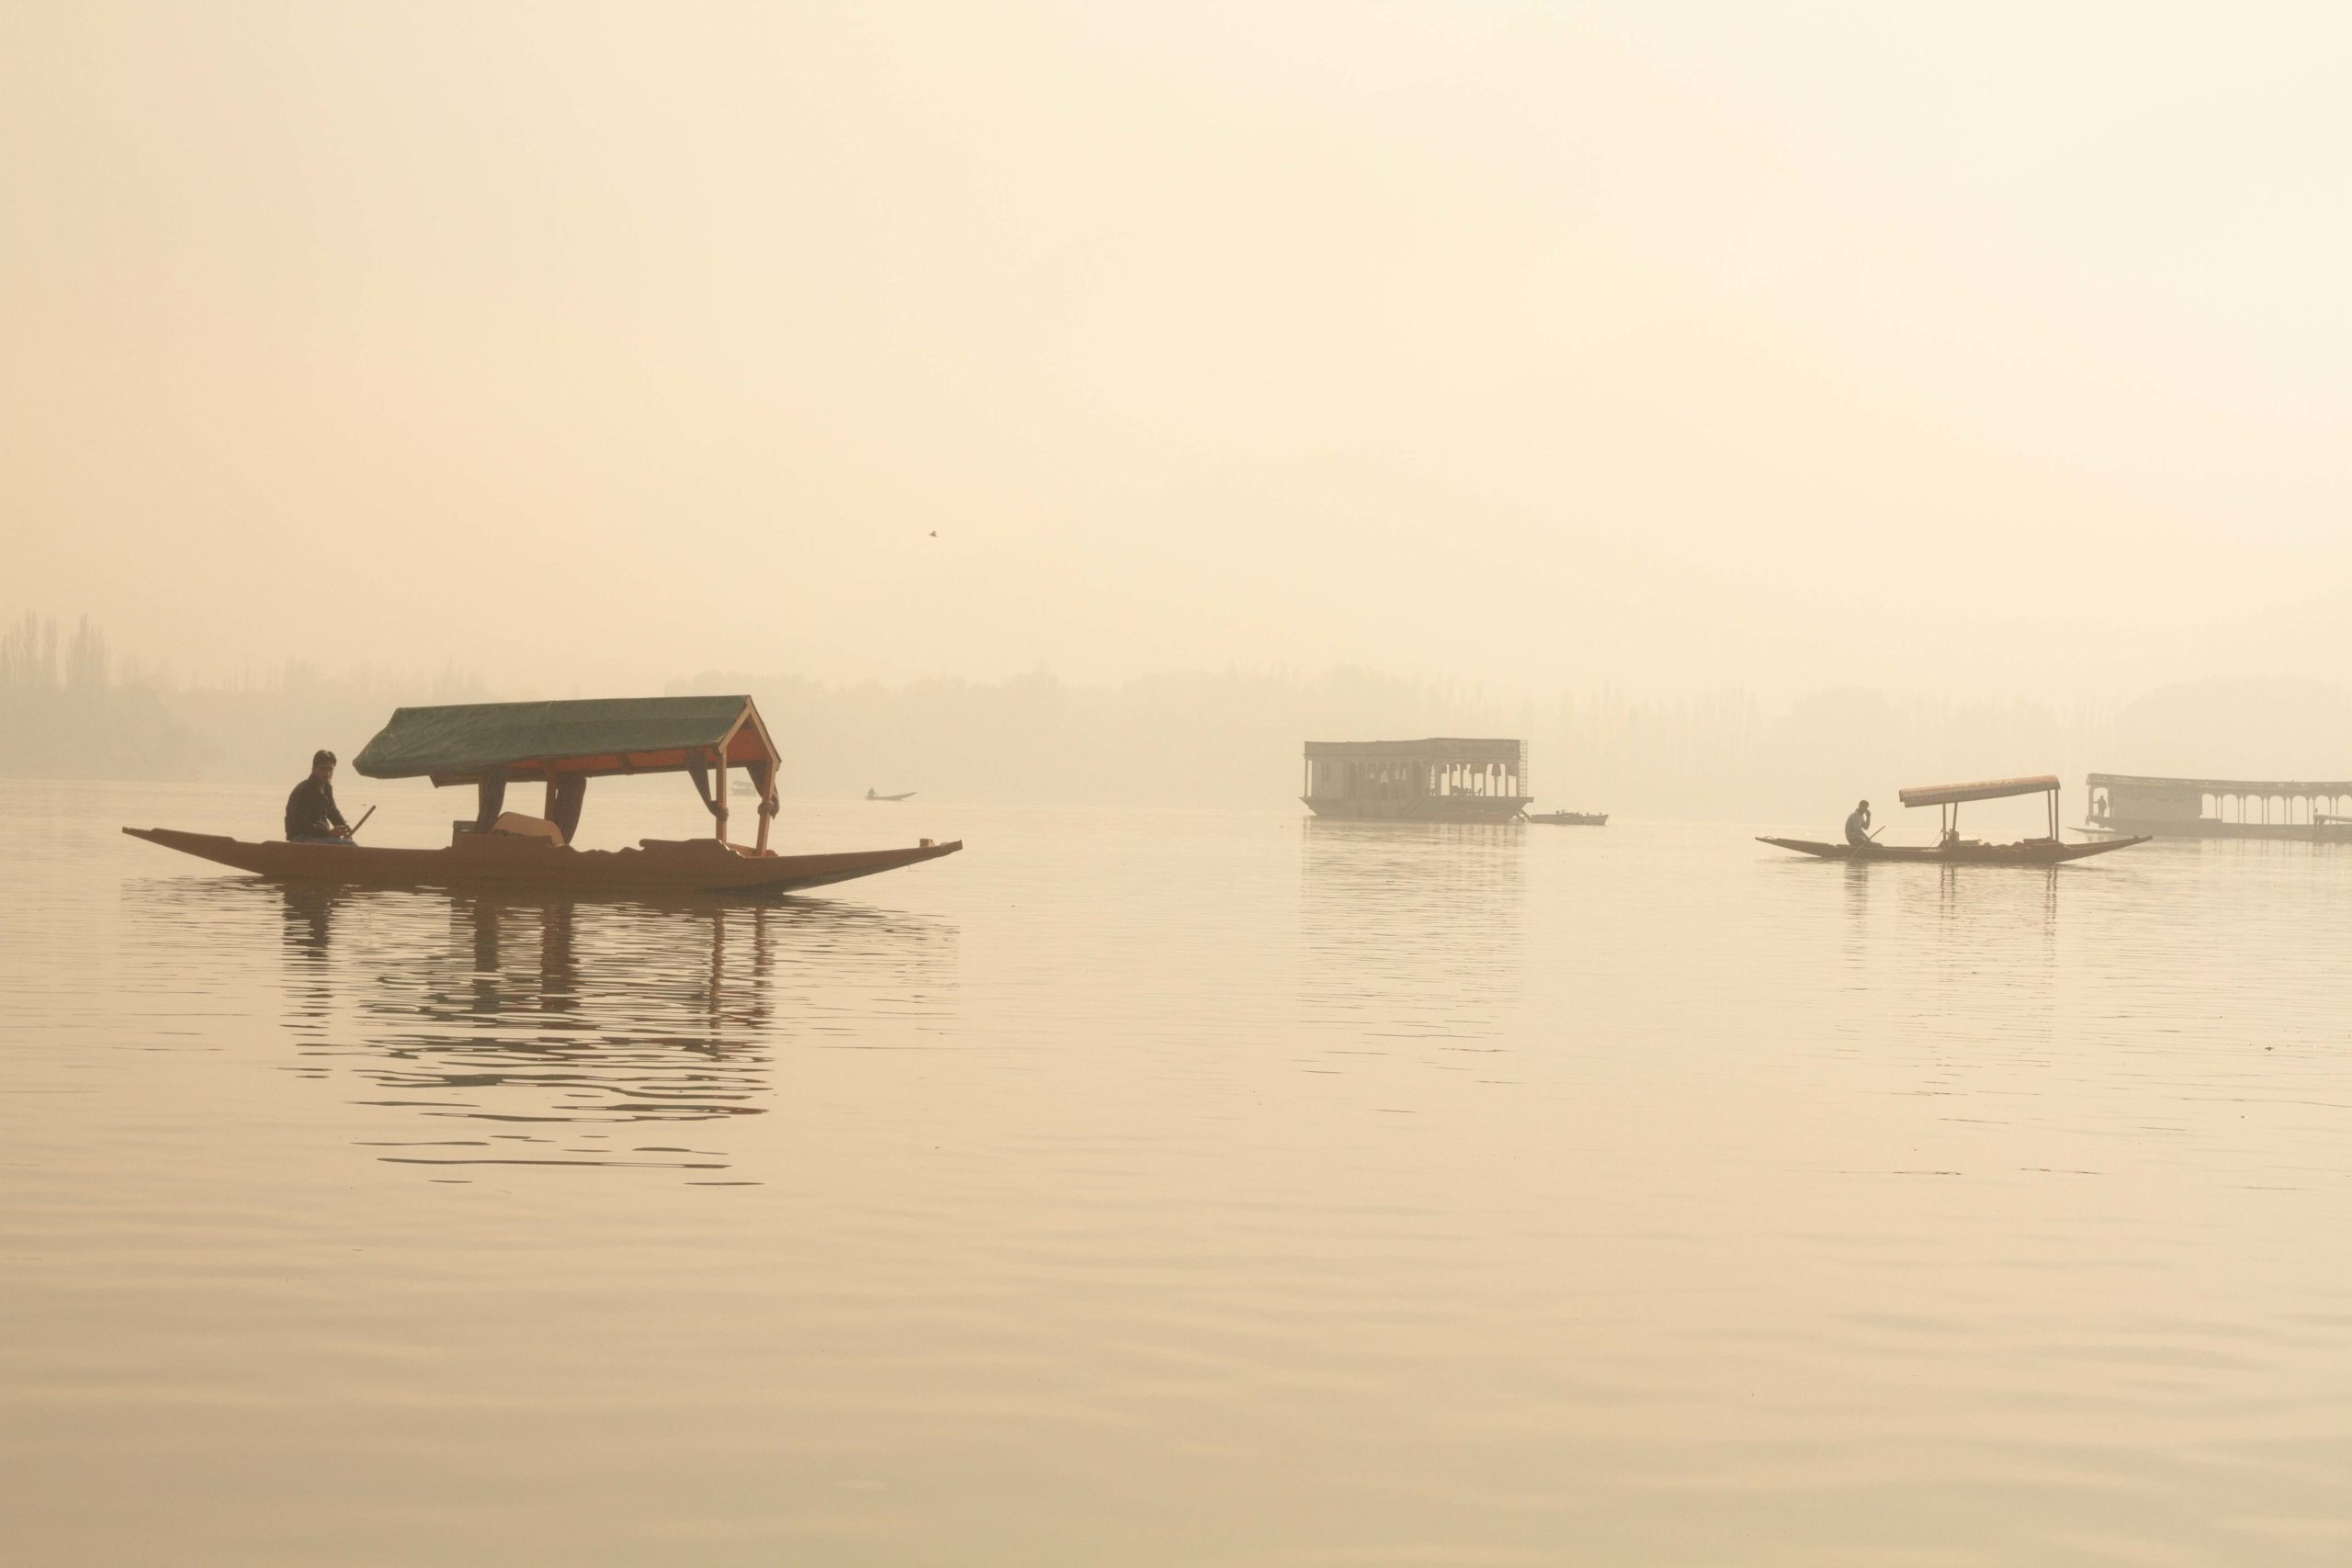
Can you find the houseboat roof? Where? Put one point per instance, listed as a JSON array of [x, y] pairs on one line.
[[1447, 747], [462, 741], [2223, 786], [1989, 789]]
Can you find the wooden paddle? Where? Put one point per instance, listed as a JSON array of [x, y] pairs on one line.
[[354, 831]]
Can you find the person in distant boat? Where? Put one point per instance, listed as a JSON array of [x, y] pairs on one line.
[[311, 816], [1858, 824]]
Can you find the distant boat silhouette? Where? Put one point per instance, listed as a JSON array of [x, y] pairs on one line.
[[870, 794]]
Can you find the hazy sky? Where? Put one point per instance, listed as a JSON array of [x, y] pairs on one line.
[[1668, 345]]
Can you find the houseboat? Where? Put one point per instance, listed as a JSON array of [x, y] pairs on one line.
[[1444, 779], [2218, 808]]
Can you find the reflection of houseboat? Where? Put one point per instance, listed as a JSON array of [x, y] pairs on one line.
[[1438, 780], [2219, 809]]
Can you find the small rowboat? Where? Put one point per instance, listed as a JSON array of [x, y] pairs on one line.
[[2028, 852], [562, 746], [1953, 850], [1569, 818]]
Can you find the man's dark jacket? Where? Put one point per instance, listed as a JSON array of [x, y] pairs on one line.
[[310, 811]]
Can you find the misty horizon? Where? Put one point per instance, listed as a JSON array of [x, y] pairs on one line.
[[1214, 737], [1602, 350]]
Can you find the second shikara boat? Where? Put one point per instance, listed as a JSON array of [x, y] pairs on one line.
[[1951, 849], [563, 745]]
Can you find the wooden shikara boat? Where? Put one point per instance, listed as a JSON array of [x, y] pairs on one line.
[[2028, 852], [563, 745], [511, 860], [1951, 849], [1568, 819]]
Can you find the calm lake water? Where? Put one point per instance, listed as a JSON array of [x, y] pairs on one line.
[[1147, 1187]]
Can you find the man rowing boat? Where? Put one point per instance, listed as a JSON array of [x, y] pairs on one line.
[[1858, 824], [312, 816]]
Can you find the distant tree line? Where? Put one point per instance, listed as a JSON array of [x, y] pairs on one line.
[[68, 708], [67, 712]]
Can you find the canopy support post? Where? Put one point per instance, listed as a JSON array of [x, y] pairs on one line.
[[763, 780], [566, 794], [489, 797], [719, 796]]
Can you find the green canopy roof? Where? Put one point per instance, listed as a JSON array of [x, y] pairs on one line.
[[608, 735]]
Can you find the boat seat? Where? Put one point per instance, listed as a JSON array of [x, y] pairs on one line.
[[516, 825]]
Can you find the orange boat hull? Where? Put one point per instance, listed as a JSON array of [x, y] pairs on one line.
[[657, 865]]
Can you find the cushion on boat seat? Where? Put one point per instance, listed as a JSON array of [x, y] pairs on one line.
[[516, 825]]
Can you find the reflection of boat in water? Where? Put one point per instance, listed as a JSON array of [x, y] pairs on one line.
[[1568, 819], [547, 1030], [1409, 937], [563, 745], [1951, 849], [870, 794]]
